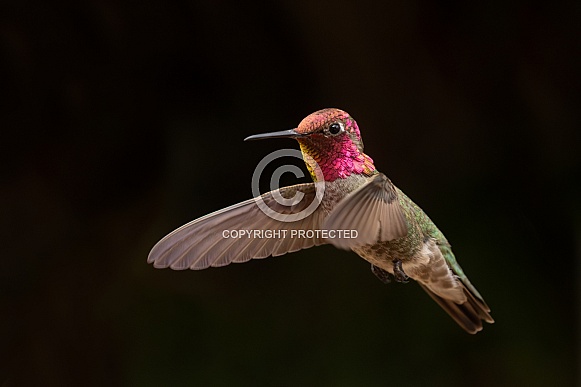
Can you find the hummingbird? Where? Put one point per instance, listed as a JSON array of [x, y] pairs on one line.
[[392, 233]]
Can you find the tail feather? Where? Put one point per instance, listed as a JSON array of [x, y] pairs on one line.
[[469, 315]]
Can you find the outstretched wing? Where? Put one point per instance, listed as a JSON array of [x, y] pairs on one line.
[[208, 241], [373, 210]]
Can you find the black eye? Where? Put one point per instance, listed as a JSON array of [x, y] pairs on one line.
[[335, 128]]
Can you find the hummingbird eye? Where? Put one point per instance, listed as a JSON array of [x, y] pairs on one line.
[[335, 128]]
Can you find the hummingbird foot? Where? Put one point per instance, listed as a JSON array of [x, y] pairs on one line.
[[381, 274], [398, 273]]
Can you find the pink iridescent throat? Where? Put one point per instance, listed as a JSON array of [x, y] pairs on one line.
[[338, 158]]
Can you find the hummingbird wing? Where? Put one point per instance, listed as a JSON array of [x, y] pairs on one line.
[[450, 289], [373, 210], [208, 241]]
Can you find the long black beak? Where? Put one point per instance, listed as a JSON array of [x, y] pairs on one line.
[[291, 133]]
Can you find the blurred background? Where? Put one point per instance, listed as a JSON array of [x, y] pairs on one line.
[[123, 120]]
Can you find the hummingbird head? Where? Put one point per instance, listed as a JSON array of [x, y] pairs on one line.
[[329, 138]]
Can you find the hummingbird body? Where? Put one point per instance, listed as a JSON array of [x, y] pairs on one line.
[[393, 233]]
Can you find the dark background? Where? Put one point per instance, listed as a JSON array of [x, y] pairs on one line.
[[122, 121]]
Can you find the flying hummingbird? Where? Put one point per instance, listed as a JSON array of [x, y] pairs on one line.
[[393, 233]]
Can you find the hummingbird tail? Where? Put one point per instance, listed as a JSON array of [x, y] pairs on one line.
[[468, 315]]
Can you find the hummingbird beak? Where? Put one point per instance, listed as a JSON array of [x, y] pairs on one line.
[[291, 133]]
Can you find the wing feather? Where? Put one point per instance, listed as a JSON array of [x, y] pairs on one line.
[[373, 210]]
